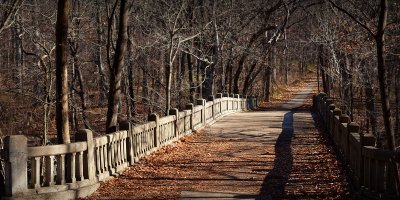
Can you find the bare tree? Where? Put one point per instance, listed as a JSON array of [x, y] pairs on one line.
[[64, 10], [11, 8], [117, 69]]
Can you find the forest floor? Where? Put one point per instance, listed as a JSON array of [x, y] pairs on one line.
[[276, 152]]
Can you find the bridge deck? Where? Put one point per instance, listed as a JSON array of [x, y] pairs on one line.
[[251, 155]]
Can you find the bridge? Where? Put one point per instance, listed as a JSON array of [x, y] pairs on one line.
[[260, 154], [225, 147]]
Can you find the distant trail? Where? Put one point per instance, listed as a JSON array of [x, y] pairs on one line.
[[275, 154]]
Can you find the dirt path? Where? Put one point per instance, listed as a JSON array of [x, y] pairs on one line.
[[274, 154]]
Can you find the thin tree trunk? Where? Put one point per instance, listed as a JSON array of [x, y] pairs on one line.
[[199, 79], [64, 9], [382, 75], [230, 73], [247, 80], [180, 78], [384, 93], [83, 95], [191, 81], [145, 91], [397, 92], [99, 56], [72, 90], [168, 79], [118, 65], [130, 85]]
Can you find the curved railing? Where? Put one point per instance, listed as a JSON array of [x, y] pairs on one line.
[[67, 171], [371, 168]]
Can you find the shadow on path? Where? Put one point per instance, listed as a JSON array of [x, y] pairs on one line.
[[275, 181]]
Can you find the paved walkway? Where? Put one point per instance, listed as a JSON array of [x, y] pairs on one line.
[[275, 154]]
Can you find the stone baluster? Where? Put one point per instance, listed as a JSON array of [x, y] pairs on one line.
[[175, 112], [49, 162], [211, 98], [202, 102], [154, 117]]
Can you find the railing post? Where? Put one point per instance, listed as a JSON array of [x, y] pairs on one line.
[[202, 102], [154, 117], [327, 116], [353, 127], [89, 164], [190, 106], [211, 98], [249, 102], [344, 136], [16, 173], [335, 132], [219, 96], [227, 101], [246, 106], [175, 111], [242, 102], [126, 126], [237, 100]]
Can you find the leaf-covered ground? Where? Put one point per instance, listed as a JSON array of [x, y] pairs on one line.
[[300, 166]]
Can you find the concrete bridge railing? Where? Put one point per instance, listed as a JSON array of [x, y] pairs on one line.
[[370, 168], [67, 171]]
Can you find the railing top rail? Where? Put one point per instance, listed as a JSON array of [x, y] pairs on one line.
[[167, 119], [143, 127], [184, 113], [197, 108], [58, 149], [103, 140], [377, 154]]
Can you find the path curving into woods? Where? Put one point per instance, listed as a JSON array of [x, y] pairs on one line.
[[266, 154]]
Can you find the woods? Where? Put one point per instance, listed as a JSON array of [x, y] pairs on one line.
[[105, 61], [72, 65], [67, 65]]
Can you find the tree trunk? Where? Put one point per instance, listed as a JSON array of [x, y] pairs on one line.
[[83, 95], [199, 79], [130, 85], [63, 12], [117, 68], [180, 78], [247, 80], [382, 75], [370, 99], [191, 81], [168, 79], [72, 90], [210, 71], [397, 93], [145, 90], [267, 84], [99, 56], [323, 67], [237, 75], [229, 67], [345, 82]]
